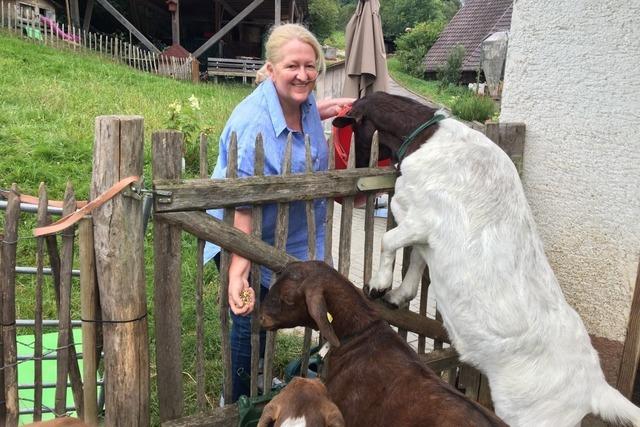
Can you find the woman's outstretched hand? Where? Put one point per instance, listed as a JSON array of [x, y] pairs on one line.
[[331, 107], [241, 296]]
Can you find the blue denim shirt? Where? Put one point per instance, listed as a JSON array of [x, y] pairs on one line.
[[261, 112]]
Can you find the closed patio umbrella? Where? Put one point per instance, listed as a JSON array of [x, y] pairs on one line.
[[366, 63]]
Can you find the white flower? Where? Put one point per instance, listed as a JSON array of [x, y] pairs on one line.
[[175, 107], [195, 103]]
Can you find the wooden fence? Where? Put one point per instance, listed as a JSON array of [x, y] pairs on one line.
[[112, 265], [42, 30], [61, 274]]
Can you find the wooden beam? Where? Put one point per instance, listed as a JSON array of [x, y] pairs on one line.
[[227, 416], [631, 353], [278, 12], [88, 12], [201, 194], [206, 227], [209, 228], [217, 36], [175, 24], [75, 13], [292, 11], [113, 11]]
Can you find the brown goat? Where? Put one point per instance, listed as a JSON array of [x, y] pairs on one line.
[[303, 402], [373, 376], [59, 422]]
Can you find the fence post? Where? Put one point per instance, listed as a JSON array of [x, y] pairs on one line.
[[195, 70], [167, 164], [8, 289], [119, 252], [88, 303]]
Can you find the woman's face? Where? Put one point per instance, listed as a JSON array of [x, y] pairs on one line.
[[295, 74]]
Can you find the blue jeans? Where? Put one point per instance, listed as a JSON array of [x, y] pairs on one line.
[[241, 348]]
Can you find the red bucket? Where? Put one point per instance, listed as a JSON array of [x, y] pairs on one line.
[[342, 143]]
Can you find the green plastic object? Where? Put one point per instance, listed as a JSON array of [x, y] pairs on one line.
[[250, 408]]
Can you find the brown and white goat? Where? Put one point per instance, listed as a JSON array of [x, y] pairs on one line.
[[373, 375], [460, 204], [303, 402]]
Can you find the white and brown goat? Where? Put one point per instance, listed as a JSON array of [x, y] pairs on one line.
[[373, 375], [303, 402], [460, 204]]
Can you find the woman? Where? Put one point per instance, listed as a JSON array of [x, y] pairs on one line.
[[282, 104]]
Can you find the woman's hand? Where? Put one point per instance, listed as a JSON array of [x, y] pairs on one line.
[[241, 296], [331, 107]]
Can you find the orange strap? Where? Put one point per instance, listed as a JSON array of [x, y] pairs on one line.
[[25, 198], [71, 219]]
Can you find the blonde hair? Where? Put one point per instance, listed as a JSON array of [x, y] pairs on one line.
[[279, 36]]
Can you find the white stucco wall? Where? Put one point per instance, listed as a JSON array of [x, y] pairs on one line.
[[573, 76]]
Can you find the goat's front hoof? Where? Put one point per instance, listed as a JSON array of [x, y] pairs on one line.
[[374, 293]]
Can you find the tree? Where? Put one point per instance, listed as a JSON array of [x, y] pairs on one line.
[[397, 15], [323, 17], [412, 46]]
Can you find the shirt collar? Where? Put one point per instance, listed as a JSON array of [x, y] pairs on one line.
[[275, 109]]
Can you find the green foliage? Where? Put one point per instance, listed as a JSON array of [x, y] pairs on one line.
[[396, 15], [49, 100], [336, 39], [412, 46], [323, 17], [187, 118], [473, 107], [347, 8], [450, 72], [448, 97]]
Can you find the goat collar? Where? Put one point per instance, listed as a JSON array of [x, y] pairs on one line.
[[409, 139]]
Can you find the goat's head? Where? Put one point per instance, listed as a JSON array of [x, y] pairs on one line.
[[393, 116], [302, 398], [363, 126], [297, 299]]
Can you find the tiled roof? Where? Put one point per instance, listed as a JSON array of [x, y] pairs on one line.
[[476, 20]]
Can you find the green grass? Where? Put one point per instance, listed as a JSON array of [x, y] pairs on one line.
[[48, 103], [429, 89]]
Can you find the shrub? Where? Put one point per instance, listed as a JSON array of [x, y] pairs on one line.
[[336, 39], [412, 46], [187, 118], [450, 72], [323, 17], [473, 107]]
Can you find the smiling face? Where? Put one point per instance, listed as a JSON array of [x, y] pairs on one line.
[[294, 73]]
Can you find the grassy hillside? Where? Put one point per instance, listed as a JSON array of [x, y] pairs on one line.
[[48, 103], [50, 98]]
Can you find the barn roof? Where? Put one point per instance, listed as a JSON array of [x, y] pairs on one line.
[[475, 21]]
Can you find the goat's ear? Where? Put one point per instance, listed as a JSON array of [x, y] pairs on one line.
[[269, 415], [343, 121], [317, 307]]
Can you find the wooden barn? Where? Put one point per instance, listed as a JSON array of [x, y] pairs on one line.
[[219, 28]]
